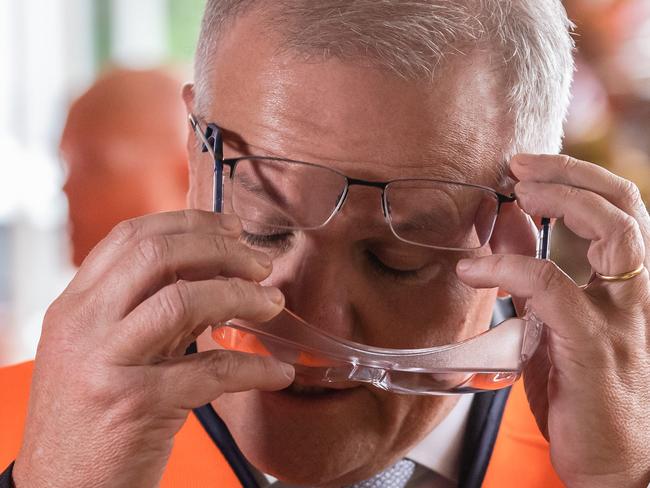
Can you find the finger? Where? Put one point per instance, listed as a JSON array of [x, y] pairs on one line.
[[617, 245], [570, 171], [192, 381], [165, 223], [553, 296], [514, 232], [172, 318], [159, 260], [563, 169]]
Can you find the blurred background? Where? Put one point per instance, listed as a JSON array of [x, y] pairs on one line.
[[53, 51]]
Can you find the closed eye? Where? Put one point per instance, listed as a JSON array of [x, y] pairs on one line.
[[394, 273], [280, 241]]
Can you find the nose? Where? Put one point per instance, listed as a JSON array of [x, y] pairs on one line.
[[316, 284]]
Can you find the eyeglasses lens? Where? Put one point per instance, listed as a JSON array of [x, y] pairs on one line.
[[441, 214], [282, 194]]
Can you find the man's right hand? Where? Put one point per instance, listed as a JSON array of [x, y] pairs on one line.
[[111, 384]]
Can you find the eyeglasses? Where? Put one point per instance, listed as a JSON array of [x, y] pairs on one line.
[[271, 194]]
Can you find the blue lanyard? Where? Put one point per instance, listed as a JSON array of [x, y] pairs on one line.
[[480, 434]]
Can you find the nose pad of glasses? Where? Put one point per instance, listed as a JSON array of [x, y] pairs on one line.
[[385, 207]]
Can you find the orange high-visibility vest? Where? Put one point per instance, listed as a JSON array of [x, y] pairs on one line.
[[520, 458]]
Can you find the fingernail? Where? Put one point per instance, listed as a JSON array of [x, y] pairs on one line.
[[263, 260], [273, 294], [229, 222], [521, 159], [288, 370], [520, 189], [464, 264]]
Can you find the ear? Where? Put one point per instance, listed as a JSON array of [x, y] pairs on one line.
[[514, 233], [191, 170], [188, 97]]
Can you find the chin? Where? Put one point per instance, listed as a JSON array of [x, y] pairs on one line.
[[308, 435]]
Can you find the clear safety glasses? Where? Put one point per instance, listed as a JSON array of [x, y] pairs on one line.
[[273, 194]]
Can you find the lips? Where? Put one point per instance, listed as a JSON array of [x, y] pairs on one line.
[[308, 388]]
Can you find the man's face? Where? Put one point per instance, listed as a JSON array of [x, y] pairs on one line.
[[370, 124]]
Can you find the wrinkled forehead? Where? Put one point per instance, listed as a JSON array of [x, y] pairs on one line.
[[356, 117]]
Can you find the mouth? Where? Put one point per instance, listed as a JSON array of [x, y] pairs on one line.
[[310, 399], [319, 390]]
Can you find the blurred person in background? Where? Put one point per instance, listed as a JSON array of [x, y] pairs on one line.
[[124, 150]]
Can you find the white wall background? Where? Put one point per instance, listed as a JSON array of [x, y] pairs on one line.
[[47, 56]]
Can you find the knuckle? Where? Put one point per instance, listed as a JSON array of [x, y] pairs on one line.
[[239, 292], [573, 193], [125, 394], [267, 367], [222, 245], [631, 192], [125, 231], [54, 311], [190, 218], [223, 364], [69, 314], [102, 385], [568, 163], [629, 226], [153, 250], [496, 264], [55, 314], [548, 275], [175, 300]]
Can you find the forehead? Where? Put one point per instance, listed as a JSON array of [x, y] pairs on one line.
[[360, 119]]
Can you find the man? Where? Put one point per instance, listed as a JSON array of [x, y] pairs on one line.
[[377, 91], [123, 145]]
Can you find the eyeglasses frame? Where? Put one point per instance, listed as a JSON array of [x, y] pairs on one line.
[[212, 142]]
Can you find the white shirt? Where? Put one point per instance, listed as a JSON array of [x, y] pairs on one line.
[[440, 450], [437, 456]]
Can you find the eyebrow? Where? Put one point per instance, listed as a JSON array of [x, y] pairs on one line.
[[269, 195], [427, 220], [500, 175]]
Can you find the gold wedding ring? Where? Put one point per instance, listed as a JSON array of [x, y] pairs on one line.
[[623, 276]]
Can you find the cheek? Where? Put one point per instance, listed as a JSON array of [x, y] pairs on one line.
[[444, 312], [200, 194], [378, 311], [416, 416]]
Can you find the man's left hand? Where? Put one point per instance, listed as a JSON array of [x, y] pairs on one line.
[[589, 382]]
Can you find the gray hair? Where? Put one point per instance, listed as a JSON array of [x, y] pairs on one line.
[[529, 41]]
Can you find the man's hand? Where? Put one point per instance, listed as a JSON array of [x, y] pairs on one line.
[[111, 384], [589, 382]]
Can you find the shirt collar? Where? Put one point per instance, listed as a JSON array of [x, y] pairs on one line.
[[440, 450]]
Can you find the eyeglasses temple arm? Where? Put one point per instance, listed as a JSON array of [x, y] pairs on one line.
[[544, 239], [218, 168], [212, 142]]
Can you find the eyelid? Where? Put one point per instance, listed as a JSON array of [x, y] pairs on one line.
[[400, 256], [383, 268], [279, 240]]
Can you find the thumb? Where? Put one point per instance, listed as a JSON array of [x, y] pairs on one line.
[[194, 380]]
